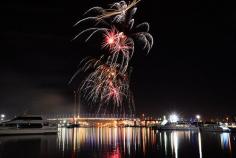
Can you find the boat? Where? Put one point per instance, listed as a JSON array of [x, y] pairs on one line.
[[232, 127], [181, 126], [214, 127], [27, 124]]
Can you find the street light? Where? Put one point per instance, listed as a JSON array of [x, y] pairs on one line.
[[198, 117], [2, 117]]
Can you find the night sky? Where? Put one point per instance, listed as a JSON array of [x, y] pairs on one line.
[[190, 70]]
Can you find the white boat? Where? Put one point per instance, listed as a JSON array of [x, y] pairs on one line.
[[213, 127], [177, 126], [27, 124]]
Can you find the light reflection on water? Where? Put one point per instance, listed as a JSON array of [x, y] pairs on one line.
[[142, 142], [225, 141], [119, 143], [200, 145]]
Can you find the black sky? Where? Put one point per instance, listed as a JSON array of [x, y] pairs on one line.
[[191, 68]]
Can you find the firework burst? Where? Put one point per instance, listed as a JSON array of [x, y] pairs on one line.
[[119, 45], [108, 78], [118, 42], [119, 14], [105, 84]]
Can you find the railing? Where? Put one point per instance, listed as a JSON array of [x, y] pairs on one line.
[[127, 116]]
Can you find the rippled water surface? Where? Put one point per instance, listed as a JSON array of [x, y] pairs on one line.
[[118, 143]]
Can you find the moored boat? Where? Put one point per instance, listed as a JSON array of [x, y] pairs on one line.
[[214, 127], [27, 124], [177, 126]]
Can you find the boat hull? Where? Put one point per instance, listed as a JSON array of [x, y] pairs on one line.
[[176, 128]]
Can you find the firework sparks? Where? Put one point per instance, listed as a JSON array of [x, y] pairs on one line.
[[118, 42], [120, 13], [105, 84], [117, 12], [119, 45], [108, 81]]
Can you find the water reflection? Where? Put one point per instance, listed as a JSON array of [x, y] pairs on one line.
[[171, 140], [113, 140], [32, 146], [132, 142], [120, 143], [225, 141], [200, 144]]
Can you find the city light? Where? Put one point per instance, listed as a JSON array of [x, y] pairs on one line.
[[3, 117], [198, 117], [173, 118]]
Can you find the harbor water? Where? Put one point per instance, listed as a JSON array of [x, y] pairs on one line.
[[119, 143]]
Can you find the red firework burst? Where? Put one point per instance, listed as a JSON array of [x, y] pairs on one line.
[[117, 42]]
